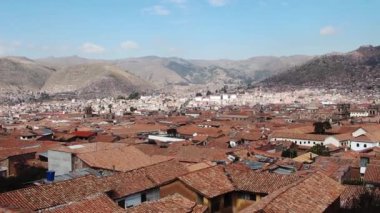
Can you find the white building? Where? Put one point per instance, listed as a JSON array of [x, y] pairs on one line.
[[359, 113], [365, 137]]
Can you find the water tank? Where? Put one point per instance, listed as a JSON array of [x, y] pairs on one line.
[[50, 176]]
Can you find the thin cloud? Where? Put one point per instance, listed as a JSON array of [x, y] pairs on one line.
[[158, 10], [178, 1], [217, 3], [92, 48], [129, 45], [328, 31]]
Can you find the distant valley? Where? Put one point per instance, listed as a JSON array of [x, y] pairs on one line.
[[99, 78], [90, 78]]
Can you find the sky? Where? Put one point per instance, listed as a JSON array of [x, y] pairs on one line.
[[193, 29]]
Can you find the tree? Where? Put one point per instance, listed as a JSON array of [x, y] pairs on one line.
[[320, 150], [289, 153], [132, 109], [134, 95], [208, 93], [321, 127], [198, 94]]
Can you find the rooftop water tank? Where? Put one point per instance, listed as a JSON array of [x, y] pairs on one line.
[[50, 176]]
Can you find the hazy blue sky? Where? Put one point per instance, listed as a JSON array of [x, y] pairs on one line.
[[205, 29]]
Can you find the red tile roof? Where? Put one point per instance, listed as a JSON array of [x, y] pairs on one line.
[[372, 174], [210, 182], [173, 203], [258, 182], [117, 185], [84, 134], [122, 159], [45, 196], [95, 203], [312, 194]]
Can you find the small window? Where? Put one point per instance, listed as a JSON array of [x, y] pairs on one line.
[[314, 142], [121, 203], [304, 142], [227, 200], [199, 199], [143, 197], [365, 145], [215, 205], [308, 142], [357, 145]]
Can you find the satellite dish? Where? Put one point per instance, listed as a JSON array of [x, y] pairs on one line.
[[233, 144]]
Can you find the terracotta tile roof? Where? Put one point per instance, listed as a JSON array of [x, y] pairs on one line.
[[173, 203], [27, 147], [95, 203], [258, 182], [312, 194], [199, 154], [372, 174], [210, 182], [123, 184], [45, 196], [306, 158], [84, 134], [117, 185], [122, 159], [191, 129], [89, 147], [333, 167], [165, 171], [350, 193], [105, 138]]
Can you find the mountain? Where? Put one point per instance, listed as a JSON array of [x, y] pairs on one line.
[[94, 80], [95, 77], [19, 73], [258, 68], [356, 69], [164, 72]]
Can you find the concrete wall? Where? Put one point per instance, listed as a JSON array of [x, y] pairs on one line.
[[60, 162], [5, 164], [298, 141], [358, 146]]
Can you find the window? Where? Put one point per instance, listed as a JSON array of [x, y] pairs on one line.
[[121, 203], [365, 145], [308, 142], [133, 200], [247, 196], [199, 199], [314, 142], [227, 200], [215, 204], [357, 145], [153, 195], [143, 197]]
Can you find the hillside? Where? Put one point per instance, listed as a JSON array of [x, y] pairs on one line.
[[94, 80], [18, 73], [356, 69], [95, 77]]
